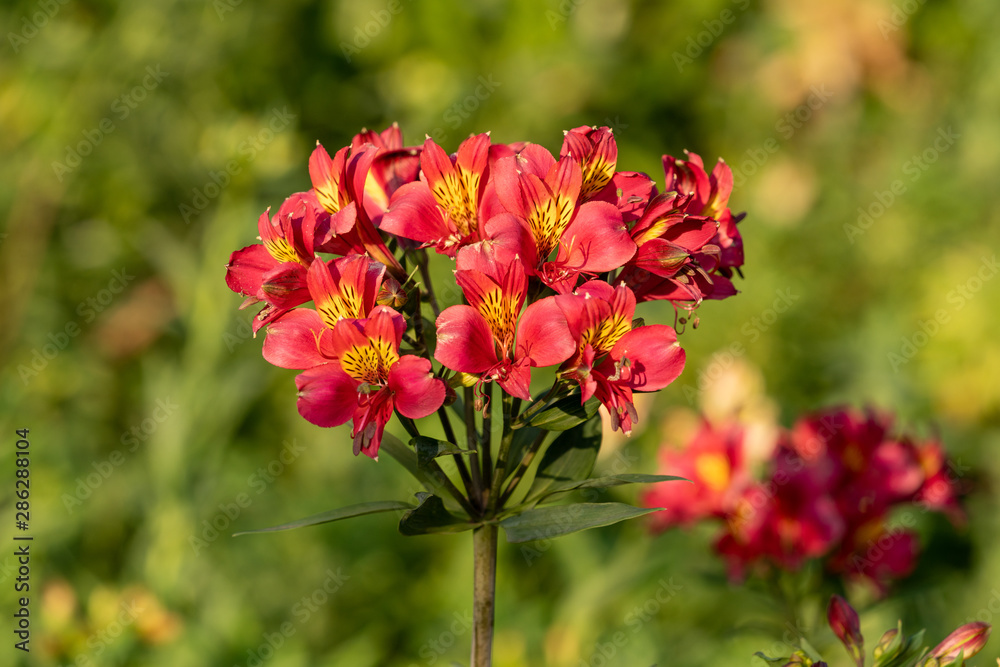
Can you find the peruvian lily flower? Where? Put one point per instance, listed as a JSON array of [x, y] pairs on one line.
[[491, 336], [612, 359], [446, 208], [673, 246], [393, 167], [716, 464], [369, 380], [274, 271], [346, 288], [339, 187], [709, 196], [596, 151], [561, 239]]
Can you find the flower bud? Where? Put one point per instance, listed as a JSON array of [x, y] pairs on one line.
[[967, 640], [889, 645], [844, 623], [391, 294]]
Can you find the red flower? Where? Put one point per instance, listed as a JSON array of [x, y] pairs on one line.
[[346, 288], [274, 271], [491, 336], [446, 209], [612, 359], [339, 187], [393, 167], [714, 461], [542, 197], [678, 259], [368, 380], [596, 151]]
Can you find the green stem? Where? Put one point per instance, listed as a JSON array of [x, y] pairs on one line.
[[488, 435], [472, 442], [425, 275], [484, 549], [500, 472], [522, 468]]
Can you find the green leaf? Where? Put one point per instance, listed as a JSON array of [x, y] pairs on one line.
[[406, 457], [522, 439], [609, 480], [429, 449], [570, 457], [430, 516], [769, 660], [336, 515], [546, 522], [565, 413]]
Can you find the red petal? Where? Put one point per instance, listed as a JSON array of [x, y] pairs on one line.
[[385, 324], [596, 240], [543, 335], [417, 392], [414, 214], [246, 269], [327, 395], [293, 340], [655, 355], [464, 340], [284, 286], [517, 381]]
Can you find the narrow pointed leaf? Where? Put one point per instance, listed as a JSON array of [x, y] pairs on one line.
[[565, 414], [348, 512], [429, 449], [431, 517], [569, 458], [406, 457], [543, 523], [608, 481]]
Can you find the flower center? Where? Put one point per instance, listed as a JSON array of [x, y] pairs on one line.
[[335, 307], [459, 197], [370, 363]]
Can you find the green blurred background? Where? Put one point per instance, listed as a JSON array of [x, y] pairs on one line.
[[140, 142]]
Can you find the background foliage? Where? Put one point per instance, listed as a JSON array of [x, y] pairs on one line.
[[123, 194]]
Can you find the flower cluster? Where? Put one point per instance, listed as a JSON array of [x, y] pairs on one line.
[[551, 255], [833, 480]]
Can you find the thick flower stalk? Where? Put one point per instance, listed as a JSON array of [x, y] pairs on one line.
[[550, 257]]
